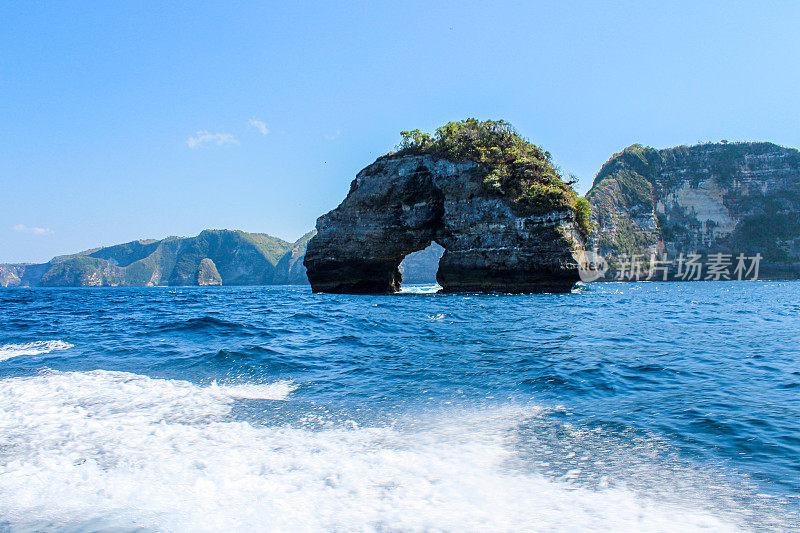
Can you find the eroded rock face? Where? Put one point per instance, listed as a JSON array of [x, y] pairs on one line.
[[727, 198], [399, 205]]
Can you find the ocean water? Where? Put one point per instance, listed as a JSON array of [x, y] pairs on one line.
[[619, 407]]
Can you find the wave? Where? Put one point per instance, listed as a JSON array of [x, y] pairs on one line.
[[7, 351], [102, 450], [202, 325]]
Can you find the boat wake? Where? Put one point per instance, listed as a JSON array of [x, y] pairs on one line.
[[100, 450], [278, 390]]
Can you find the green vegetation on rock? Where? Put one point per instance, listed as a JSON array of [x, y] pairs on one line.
[[764, 233], [514, 167], [583, 216], [80, 270]]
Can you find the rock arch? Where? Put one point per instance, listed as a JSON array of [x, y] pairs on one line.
[[400, 204]]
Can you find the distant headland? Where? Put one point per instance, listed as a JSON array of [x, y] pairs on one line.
[[214, 257]]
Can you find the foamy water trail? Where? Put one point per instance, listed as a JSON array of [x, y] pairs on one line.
[[7, 351], [278, 390], [96, 450]]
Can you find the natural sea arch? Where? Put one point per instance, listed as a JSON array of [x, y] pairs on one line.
[[400, 205]]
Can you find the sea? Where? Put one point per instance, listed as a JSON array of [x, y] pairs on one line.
[[618, 407]]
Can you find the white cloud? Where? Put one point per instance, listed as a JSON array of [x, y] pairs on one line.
[[204, 137], [260, 126], [334, 136], [22, 228]]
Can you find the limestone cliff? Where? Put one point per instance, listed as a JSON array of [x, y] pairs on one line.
[[711, 198], [401, 203]]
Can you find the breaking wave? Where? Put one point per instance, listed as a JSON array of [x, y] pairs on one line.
[[8, 351]]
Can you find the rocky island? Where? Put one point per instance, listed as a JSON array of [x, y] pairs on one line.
[[495, 202]]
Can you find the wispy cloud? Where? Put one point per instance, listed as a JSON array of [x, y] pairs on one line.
[[334, 136], [260, 126], [206, 137], [22, 228]]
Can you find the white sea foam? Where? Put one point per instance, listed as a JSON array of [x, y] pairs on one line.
[[278, 390], [420, 289], [7, 351], [97, 450]]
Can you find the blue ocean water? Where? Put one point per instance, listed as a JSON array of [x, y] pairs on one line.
[[633, 407]]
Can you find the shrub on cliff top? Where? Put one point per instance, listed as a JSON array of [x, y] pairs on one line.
[[514, 167], [583, 216]]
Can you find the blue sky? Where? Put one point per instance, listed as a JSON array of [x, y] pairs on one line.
[[120, 122]]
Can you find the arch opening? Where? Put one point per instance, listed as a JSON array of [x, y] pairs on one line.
[[420, 267]]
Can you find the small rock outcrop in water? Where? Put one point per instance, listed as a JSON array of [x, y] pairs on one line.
[[495, 203], [728, 198], [207, 273]]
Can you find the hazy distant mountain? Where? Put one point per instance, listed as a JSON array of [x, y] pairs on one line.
[[290, 268], [212, 258]]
